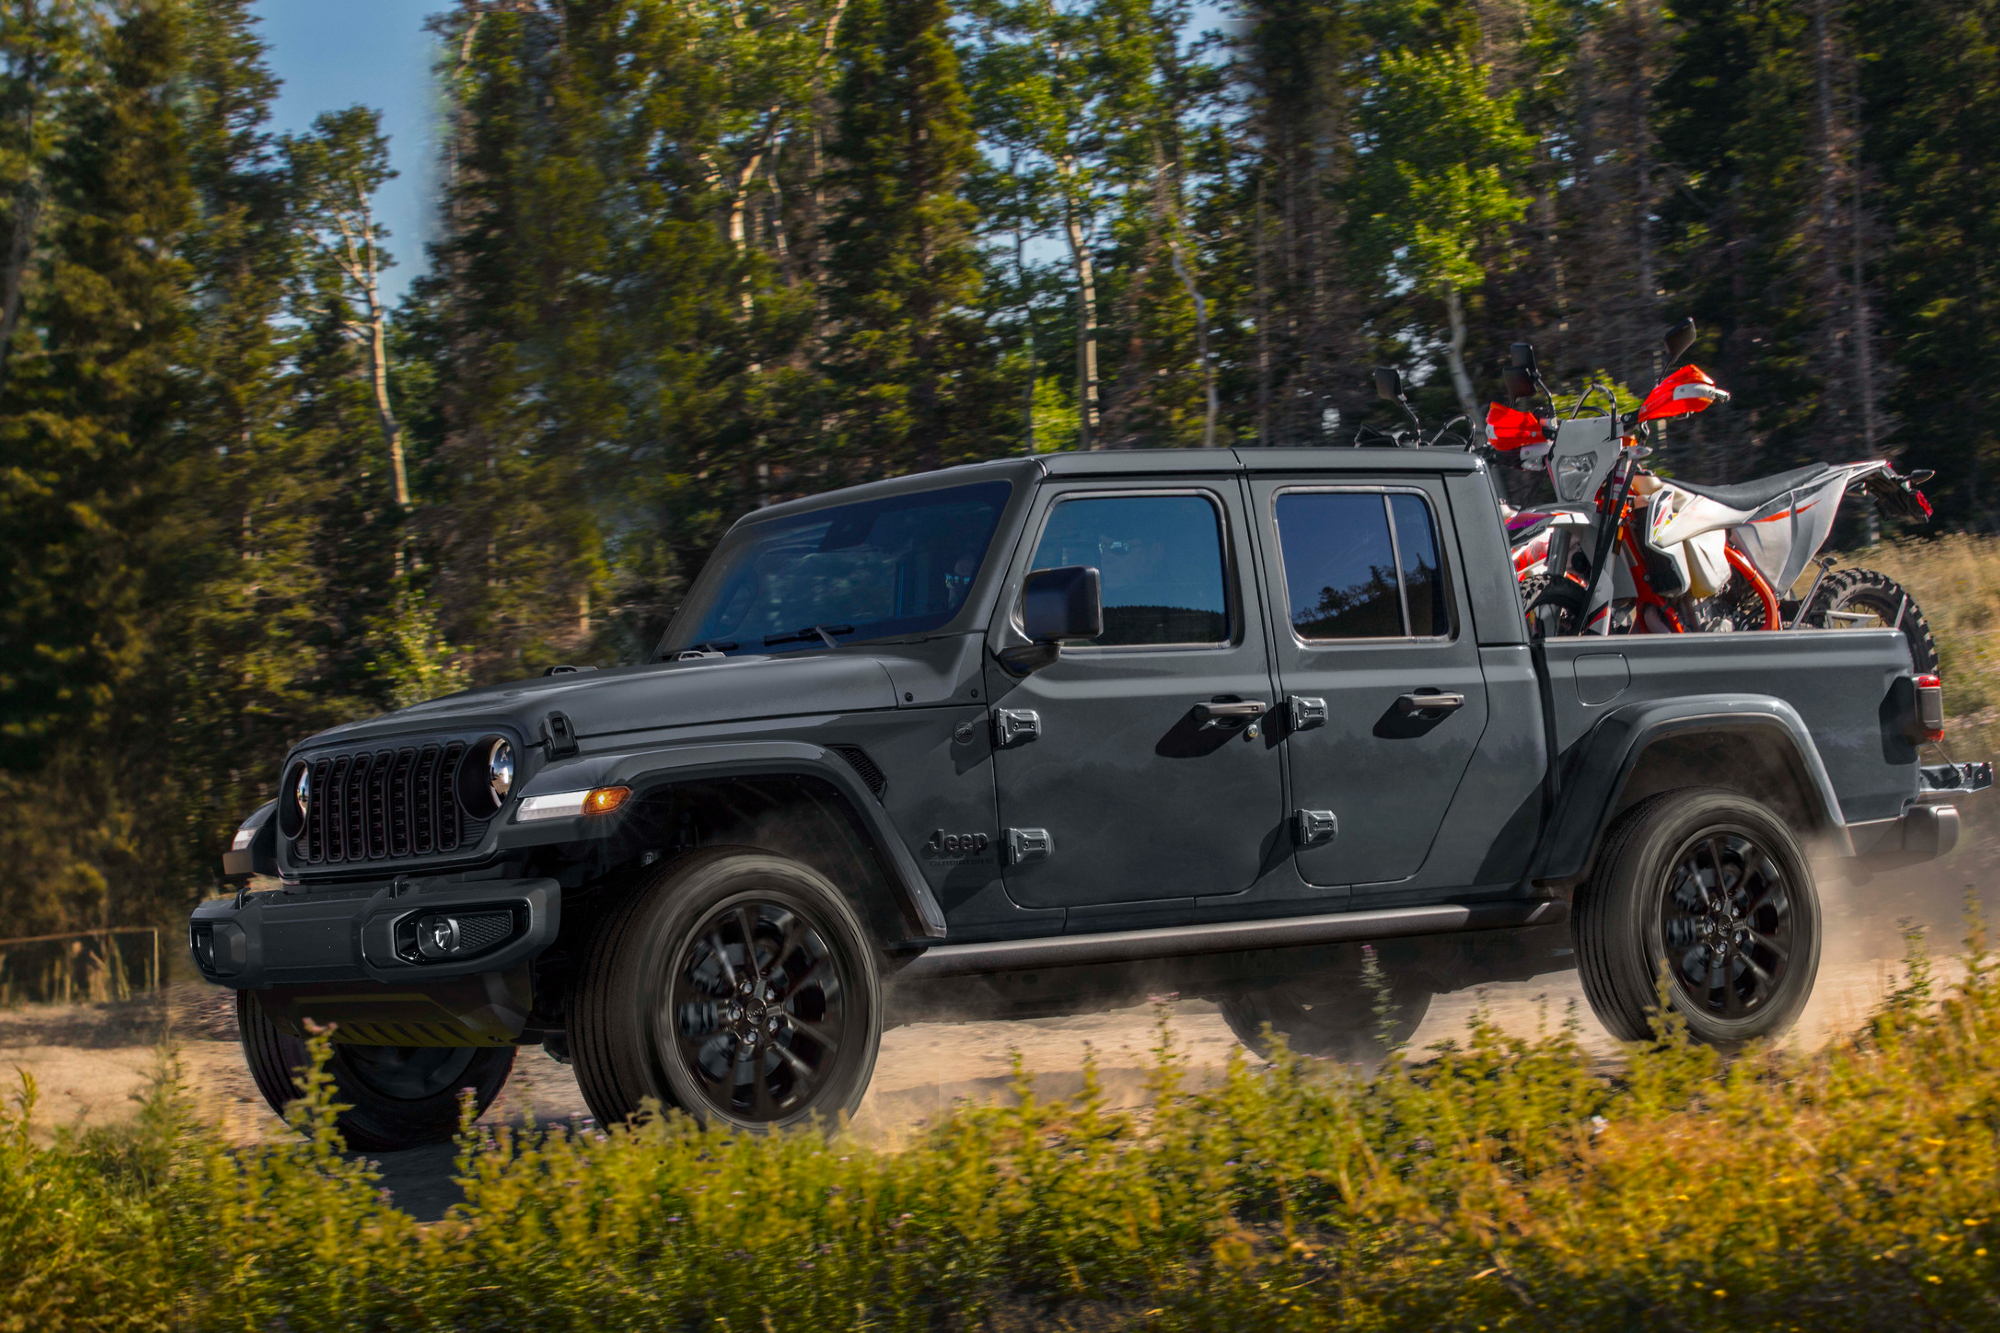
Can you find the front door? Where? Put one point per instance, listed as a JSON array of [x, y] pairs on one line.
[[1385, 697], [1137, 754]]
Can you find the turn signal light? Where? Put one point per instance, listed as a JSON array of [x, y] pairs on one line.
[[565, 804], [603, 800], [1930, 707]]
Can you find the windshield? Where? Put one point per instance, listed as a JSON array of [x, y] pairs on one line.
[[873, 570]]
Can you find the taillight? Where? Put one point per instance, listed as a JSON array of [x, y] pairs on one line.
[[1930, 708]]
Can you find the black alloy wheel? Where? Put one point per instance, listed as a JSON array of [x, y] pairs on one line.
[[757, 1010], [1726, 922], [1710, 889], [734, 984]]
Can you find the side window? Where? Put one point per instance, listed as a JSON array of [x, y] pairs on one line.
[[1160, 559], [1361, 565]]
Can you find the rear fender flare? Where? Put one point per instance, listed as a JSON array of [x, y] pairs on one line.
[[1603, 765], [649, 771]]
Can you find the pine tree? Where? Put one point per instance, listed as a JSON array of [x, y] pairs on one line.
[[1930, 114], [908, 361]]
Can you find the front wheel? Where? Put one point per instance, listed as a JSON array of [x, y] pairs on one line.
[[737, 985], [1709, 889], [396, 1096], [1865, 599]]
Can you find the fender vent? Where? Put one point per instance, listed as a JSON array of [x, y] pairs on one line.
[[858, 759]]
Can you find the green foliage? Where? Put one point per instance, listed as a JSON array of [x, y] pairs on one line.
[[1504, 1183]]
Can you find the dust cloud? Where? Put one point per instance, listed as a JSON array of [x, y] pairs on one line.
[[88, 1060]]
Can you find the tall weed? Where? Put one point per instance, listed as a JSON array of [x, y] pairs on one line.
[[1507, 1183]]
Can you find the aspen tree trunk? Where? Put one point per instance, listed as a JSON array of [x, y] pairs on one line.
[[1468, 402], [362, 267], [1170, 222], [1086, 317]]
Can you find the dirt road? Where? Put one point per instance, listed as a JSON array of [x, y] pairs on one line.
[[89, 1061]]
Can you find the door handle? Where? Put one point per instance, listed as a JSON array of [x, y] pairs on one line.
[[1430, 703], [1245, 711]]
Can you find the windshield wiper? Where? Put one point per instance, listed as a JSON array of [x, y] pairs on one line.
[[824, 633]]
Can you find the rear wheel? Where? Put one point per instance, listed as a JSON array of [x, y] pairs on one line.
[[396, 1096], [737, 985], [1865, 599], [1711, 889], [1329, 1023]]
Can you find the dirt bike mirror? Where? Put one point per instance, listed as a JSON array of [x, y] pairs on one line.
[[1679, 338], [1522, 356], [1519, 383], [1686, 391], [1388, 384]]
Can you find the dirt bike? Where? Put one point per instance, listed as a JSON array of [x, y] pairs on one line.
[[1689, 557]]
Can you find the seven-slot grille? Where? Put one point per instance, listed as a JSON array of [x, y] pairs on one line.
[[383, 804]]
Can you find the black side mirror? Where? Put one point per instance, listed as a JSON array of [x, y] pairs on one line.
[[1523, 357], [1679, 338], [1388, 384], [1519, 384], [1056, 604]]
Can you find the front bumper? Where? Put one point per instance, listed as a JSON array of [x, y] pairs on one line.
[[368, 932]]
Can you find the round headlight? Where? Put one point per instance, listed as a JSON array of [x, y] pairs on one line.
[[500, 771], [295, 800]]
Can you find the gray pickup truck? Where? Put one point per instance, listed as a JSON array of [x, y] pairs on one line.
[[1020, 736]]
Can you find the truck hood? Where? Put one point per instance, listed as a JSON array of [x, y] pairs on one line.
[[647, 698]]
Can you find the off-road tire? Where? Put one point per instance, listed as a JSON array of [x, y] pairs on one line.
[[1865, 590], [1340, 1025], [1647, 909], [633, 1040], [369, 1080]]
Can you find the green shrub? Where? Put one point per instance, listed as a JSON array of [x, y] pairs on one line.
[[1508, 1183]]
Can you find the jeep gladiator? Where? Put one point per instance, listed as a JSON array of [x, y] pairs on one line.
[[1017, 736]]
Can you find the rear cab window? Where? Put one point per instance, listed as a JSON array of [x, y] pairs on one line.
[[1361, 564]]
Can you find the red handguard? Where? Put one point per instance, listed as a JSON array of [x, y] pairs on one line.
[[1510, 429], [1687, 390]]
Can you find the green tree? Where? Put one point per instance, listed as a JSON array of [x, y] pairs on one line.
[[1930, 107], [1444, 154], [907, 356]]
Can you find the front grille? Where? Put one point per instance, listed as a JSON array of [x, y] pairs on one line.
[[379, 805]]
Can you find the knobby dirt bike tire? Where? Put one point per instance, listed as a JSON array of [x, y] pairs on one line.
[[1876, 594]]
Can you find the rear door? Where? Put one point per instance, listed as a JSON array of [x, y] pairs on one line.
[[1378, 668], [1141, 797]]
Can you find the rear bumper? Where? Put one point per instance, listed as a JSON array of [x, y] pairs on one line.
[[368, 933], [1929, 828]]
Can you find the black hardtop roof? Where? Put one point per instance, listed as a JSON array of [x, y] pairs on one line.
[[1139, 462]]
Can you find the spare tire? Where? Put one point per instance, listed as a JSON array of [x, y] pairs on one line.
[[395, 1096], [1338, 1023]]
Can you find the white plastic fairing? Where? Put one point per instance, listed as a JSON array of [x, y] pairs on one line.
[[1708, 563]]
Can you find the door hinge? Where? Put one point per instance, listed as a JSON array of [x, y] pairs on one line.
[[1317, 826], [1029, 844], [1015, 724], [1305, 712]]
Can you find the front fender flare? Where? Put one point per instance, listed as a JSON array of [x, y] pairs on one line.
[[648, 770], [1603, 763]]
